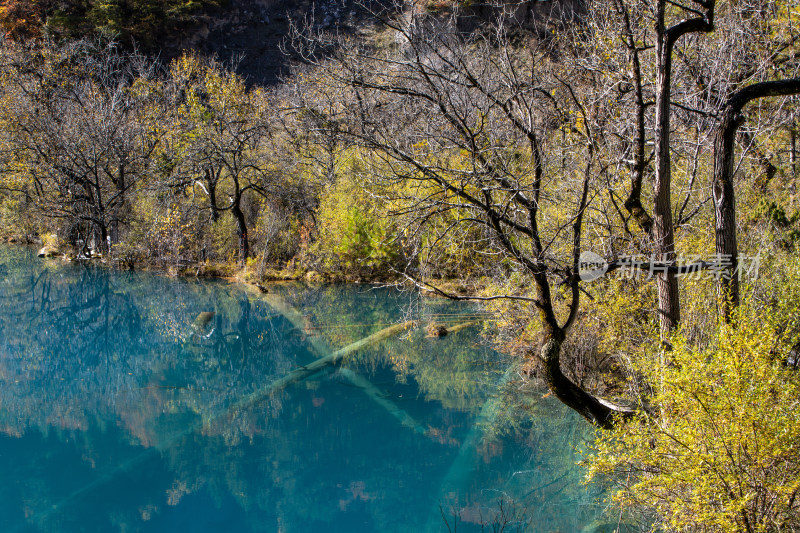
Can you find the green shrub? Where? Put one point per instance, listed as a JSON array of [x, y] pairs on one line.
[[366, 243]]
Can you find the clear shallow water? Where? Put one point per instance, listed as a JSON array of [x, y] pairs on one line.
[[122, 408]]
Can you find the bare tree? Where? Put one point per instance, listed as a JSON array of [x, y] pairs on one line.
[[749, 43], [468, 127], [225, 130], [80, 132], [498, 129]]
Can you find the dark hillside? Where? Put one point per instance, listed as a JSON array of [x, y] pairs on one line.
[[248, 33], [252, 32]]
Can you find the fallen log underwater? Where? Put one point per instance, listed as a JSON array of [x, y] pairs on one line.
[[463, 325], [332, 359], [319, 346], [467, 459]]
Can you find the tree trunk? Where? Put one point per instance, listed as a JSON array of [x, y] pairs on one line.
[[724, 197], [725, 209], [663, 233], [212, 200], [667, 283], [122, 205], [599, 412], [102, 246], [793, 156], [634, 201], [596, 411], [241, 232]]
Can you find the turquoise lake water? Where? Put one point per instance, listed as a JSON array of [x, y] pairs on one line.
[[126, 406]]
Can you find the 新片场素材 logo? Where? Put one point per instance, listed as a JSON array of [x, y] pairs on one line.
[[591, 266]]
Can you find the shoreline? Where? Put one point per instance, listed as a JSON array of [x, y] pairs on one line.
[[241, 275]]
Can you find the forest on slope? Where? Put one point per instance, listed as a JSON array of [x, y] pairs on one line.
[[500, 147]]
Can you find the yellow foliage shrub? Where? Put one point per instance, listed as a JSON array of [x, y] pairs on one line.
[[719, 449]]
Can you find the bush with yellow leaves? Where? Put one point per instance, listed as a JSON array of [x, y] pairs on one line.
[[719, 448]]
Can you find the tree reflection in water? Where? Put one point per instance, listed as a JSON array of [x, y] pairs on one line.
[[122, 409]]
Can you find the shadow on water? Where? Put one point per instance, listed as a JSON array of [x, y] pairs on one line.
[[136, 402]]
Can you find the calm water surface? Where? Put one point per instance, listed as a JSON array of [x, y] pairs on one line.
[[125, 405]]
